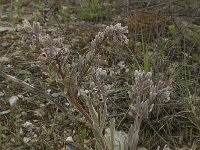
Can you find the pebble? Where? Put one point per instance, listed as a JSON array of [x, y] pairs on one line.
[[2, 94]]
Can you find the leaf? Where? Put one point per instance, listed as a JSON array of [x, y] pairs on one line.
[[93, 112], [103, 117], [96, 128], [171, 27], [112, 133], [133, 138], [145, 109]]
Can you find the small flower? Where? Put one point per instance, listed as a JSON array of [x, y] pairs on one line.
[[52, 47]]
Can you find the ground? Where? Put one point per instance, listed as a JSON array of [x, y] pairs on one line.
[[163, 38]]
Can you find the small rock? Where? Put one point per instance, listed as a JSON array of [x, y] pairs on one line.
[[13, 100], [26, 139], [67, 104], [28, 125], [69, 139], [2, 94], [35, 136], [23, 113], [55, 95], [12, 140], [42, 105], [21, 132], [48, 90], [20, 96], [5, 112], [5, 44]]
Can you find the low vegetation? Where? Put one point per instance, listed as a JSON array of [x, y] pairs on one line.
[[99, 75]]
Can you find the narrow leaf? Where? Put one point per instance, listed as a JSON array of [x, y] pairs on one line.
[[93, 112], [103, 117], [112, 133]]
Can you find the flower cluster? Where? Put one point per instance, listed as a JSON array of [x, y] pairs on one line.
[[116, 33], [97, 86], [143, 94], [51, 47], [34, 30]]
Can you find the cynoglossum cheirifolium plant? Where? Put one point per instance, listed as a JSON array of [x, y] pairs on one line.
[[144, 95], [32, 32], [70, 77]]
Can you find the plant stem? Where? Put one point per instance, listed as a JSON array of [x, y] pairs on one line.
[[75, 102], [60, 68]]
